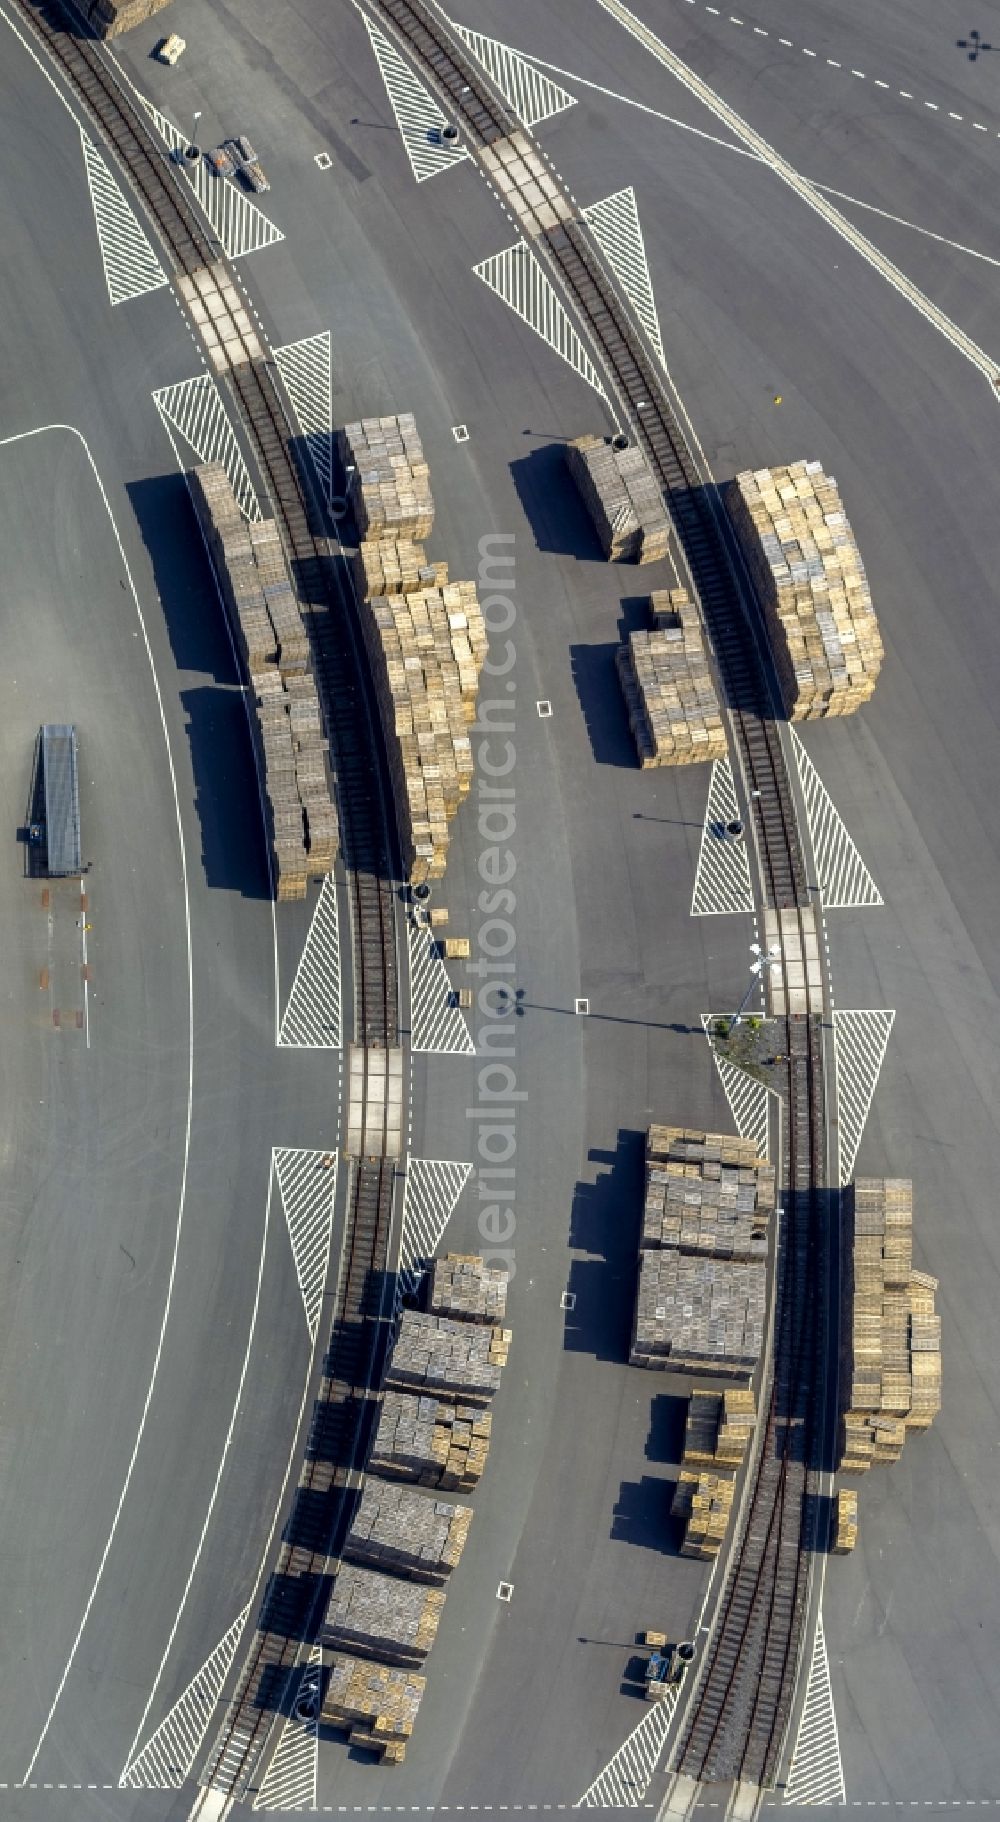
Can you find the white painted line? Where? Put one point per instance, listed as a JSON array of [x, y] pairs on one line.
[[418, 117], [431, 1195], [860, 1041], [6, 442], [460, 432], [307, 1185], [323, 160], [582, 1007], [516, 277], [85, 964], [817, 1774], [290, 1780], [131, 268], [722, 883], [239, 225], [312, 1019], [437, 1024], [615, 226], [748, 1098], [194, 408], [844, 881], [306, 367], [168, 1756], [544, 710], [531, 95], [626, 1777]]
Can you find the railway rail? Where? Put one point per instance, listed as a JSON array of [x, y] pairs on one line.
[[299, 1588], [742, 1702]]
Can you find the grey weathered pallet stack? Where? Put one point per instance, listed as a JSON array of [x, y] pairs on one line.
[[109, 18], [271, 637], [437, 1354], [463, 1286], [845, 1529], [706, 1193], [699, 1315], [623, 498], [382, 1616], [378, 1704], [407, 1533], [893, 1380], [431, 1441], [666, 679], [805, 561], [389, 480], [716, 1436]]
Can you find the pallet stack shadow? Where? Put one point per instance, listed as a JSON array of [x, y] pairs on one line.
[[666, 679], [807, 568], [718, 1429], [271, 637], [404, 1545], [425, 637], [892, 1379], [703, 1254], [623, 498], [109, 18]]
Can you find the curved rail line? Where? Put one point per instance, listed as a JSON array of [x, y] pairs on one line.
[[299, 1588], [742, 1702]]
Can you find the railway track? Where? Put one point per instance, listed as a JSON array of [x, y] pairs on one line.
[[299, 1587], [741, 1706]]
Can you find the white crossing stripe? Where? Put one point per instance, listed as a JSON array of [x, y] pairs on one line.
[[290, 1780], [615, 225], [194, 408], [860, 1041], [817, 1775], [307, 370], [722, 881], [437, 1022], [748, 1098], [239, 225], [131, 268], [312, 1017], [516, 276], [844, 881], [166, 1760], [532, 96], [418, 117], [626, 1778], [430, 1198], [307, 1182]]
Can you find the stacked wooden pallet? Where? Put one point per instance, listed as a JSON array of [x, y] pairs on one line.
[[807, 567], [109, 18], [389, 481], [406, 1533], [394, 566], [706, 1193], [718, 1428], [377, 1703], [893, 1380], [462, 1285], [705, 1502], [382, 1616], [698, 1315], [666, 679], [437, 1354], [270, 635], [845, 1529], [431, 1441], [623, 498]]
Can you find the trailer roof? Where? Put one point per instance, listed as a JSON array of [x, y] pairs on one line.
[[62, 798]]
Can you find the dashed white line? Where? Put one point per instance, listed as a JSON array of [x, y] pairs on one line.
[[806, 53]]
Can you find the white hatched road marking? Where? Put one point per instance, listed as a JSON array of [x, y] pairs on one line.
[[615, 223], [131, 268], [418, 116], [860, 1041], [307, 1183], [290, 1780], [748, 1098], [626, 1778], [817, 1774], [194, 408], [312, 1016], [722, 882], [430, 1197], [239, 225], [844, 881], [307, 370], [532, 96], [166, 1760], [437, 1023], [516, 276]]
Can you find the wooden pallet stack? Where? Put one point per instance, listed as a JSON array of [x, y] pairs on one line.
[[433, 1442], [670, 694], [892, 1381], [271, 637], [696, 1315], [382, 1616], [845, 1526], [378, 1704], [463, 1286], [109, 18], [437, 1354], [394, 566], [623, 498], [718, 1428], [705, 1502], [389, 480], [805, 562], [706, 1192], [406, 1533]]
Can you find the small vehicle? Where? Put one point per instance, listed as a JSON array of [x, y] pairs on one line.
[[220, 160], [169, 50], [666, 1665]]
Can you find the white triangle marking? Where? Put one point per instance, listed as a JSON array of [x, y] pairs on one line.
[[722, 882], [307, 370], [307, 1183], [430, 1197], [131, 267], [290, 1780], [437, 1022], [627, 1776], [516, 276], [532, 96], [844, 881], [312, 1015], [615, 224], [817, 1773], [240, 226], [748, 1098], [860, 1041], [166, 1759], [418, 116], [195, 410]]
